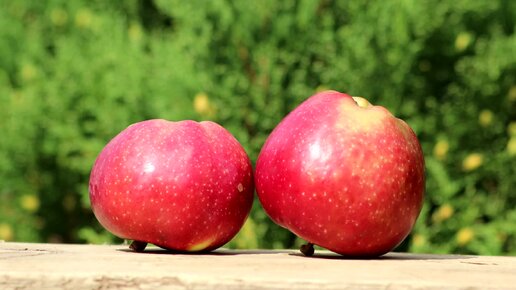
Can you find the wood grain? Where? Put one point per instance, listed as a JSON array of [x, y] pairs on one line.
[[51, 266]]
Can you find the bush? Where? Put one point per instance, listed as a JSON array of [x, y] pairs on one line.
[[74, 73]]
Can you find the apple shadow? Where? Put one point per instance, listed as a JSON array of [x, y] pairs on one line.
[[319, 254], [217, 252], [388, 256]]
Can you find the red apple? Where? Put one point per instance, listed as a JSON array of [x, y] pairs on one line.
[[183, 186], [342, 174]]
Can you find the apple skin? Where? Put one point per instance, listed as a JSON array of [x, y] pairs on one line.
[[183, 186], [348, 178]]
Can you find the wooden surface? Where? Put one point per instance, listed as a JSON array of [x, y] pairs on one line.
[[51, 266]]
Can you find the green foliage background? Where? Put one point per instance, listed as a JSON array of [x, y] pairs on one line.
[[74, 73]]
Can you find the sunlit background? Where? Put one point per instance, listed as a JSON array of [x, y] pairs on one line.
[[74, 73]]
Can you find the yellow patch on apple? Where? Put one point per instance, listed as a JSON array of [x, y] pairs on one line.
[[366, 119], [200, 246]]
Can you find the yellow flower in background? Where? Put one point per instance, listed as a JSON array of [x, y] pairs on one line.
[[464, 236], [512, 94], [511, 146], [59, 17], [201, 103], [135, 32], [485, 118], [418, 240], [511, 129], [6, 232], [203, 106], [441, 149], [462, 41], [443, 213], [28, 72], [83, 18], [472, 161], [30, 202]]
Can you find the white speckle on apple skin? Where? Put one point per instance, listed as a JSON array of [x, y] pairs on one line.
[[174, 184]]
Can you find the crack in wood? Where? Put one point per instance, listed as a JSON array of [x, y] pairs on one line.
[[13, 253]]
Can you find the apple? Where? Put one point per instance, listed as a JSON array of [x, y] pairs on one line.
[[342, 174], [183, 186]]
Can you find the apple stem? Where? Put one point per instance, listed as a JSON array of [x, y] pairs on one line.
[[308, 249], [138, 246]]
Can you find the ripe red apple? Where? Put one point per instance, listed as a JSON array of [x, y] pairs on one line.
[[183, 186], [342, 174]]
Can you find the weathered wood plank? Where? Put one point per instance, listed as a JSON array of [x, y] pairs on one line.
[[36, 266]]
